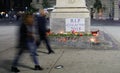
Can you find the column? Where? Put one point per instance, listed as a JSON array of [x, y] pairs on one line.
[[116, 10]]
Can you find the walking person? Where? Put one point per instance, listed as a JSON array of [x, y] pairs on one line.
[[26, 40], [42, 29]]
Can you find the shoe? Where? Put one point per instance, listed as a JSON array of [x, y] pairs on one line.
[[50, 52], [15, 69], [36, 54], [37, 67]]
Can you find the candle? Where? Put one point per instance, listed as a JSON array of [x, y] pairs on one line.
[[95, 33], [81, 34], [61, 32], [93, 40]]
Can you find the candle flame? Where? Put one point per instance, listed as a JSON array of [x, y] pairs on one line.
[[93, 40], [61, 32]]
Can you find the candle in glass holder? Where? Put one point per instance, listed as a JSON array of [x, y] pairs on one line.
[[61, 32], [81, 34], [92, 40], [94, 33]]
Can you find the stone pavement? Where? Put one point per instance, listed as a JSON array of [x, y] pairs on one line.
[[73, 60], [105, 23], [7, 37]]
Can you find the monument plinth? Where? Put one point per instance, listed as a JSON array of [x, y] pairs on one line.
[[70, 15], [37, 4]]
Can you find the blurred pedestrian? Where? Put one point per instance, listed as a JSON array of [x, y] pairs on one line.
[[18, 16], [6, 16], [42, 30], [26, 41]]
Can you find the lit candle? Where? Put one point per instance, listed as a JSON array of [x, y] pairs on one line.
[[81, 34], [93, 40], [61, 32], [76, 33], [94, 33]]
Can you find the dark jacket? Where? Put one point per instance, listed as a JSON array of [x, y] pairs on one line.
[[41, 25], [22, 37]]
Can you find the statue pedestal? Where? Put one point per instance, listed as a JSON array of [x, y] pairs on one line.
[[70, 15], [37, 5]]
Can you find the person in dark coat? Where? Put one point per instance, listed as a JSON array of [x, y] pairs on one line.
[[26, 41], [42, 30]]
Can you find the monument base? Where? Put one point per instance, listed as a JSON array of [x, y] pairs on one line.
[[60, 14], [70, 16], [58, 25]]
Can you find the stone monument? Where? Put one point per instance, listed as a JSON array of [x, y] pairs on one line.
[[70, 15], [37, 4]]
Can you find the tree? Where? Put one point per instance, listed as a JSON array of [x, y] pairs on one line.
[[98, 5], [45, 4], [27, 2]]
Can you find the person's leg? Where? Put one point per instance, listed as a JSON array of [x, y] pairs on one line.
[[32, 48], [15, 61], [48, 46], [38, 42]]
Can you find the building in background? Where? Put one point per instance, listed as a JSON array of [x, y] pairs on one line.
[[52, 2], [17, 5], [21, 5], [111, 7], [5, 5]]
